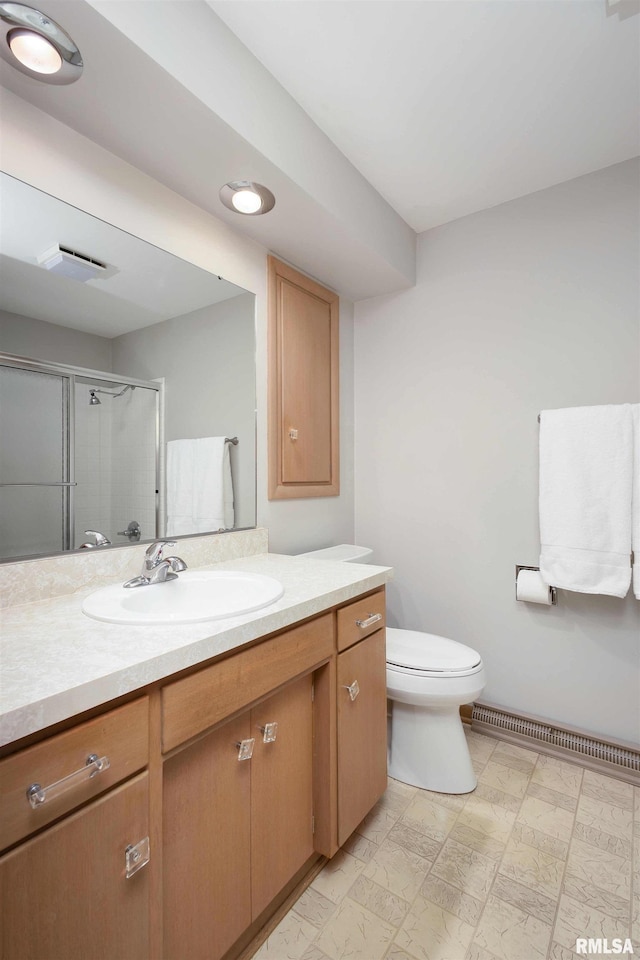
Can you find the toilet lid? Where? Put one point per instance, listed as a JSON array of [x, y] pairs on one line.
[[414, 650]]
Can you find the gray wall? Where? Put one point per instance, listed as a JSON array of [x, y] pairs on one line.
[[28, 337], [207, 360], [530, 305]]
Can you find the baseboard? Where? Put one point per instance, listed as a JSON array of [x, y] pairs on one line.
[[466, 712], [610, 757]]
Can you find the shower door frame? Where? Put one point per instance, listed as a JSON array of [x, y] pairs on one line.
[[68, 374]]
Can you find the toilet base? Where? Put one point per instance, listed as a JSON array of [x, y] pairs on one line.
[[428, 749]]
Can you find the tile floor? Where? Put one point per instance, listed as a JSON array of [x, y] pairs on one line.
[[542, 852]]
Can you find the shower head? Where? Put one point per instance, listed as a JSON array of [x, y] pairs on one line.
[[93, 400]]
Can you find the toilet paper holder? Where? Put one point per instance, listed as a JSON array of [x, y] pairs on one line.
[[553, 593]]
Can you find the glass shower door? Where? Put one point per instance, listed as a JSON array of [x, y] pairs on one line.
[[35, 484]]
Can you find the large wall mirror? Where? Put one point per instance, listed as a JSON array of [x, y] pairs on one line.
[[127, 386]]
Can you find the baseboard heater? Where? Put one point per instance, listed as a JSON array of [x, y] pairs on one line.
[[605, 756]]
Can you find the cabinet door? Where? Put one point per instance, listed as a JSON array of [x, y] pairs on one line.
[[362, 731], [303, 386], [281, 791], [64, 893], [206, 825]]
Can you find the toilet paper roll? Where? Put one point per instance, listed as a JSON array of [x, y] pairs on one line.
[[531, 587]]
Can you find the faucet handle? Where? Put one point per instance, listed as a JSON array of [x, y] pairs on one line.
[[101, 540], [153, 554]]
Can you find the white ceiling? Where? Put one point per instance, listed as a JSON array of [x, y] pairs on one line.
[[452, 106], [369, 119]]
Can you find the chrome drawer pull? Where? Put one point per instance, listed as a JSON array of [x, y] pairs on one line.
[[353, 688], [371, 619], [37, 795]]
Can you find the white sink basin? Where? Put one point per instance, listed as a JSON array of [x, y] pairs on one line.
[[193, 597]]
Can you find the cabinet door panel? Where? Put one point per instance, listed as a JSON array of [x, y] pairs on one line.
[[362, 731], [64, 893], [206, 867], [281, 791]]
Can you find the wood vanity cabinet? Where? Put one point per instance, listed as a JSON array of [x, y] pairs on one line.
[[230, 838], [362, 711], [64, 891]]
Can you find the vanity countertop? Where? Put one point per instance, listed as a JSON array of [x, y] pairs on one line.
[[56, 662]]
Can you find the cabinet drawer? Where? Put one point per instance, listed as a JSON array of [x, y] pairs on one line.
[[122, 736], [203, 699], [360, 619]]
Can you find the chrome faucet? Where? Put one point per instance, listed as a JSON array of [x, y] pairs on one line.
[[156, 568], [101, 540]]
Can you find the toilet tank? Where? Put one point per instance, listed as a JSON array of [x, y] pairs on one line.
[[343, 551]]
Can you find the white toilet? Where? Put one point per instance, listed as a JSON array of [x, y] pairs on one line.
[[428, 680]]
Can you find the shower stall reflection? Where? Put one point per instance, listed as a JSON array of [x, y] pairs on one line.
[[71, 463]]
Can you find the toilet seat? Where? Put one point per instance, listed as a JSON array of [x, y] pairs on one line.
[[418, 654]]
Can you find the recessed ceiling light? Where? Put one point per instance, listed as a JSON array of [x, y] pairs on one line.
[[247, 197], [36, 45]]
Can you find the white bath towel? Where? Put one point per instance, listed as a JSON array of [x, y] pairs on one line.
[[199, 486], [586, 457], [635, 500]]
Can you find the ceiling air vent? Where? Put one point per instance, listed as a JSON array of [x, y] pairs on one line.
[[71, 263]]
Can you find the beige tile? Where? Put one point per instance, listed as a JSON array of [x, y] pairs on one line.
[[314, 907], [314, 953], [605, 816], [476, 952], [540, 815], [515, 757], [553, 797], [379, 900], [591, 896], [511, 934], [480, 747], [577, 920], [464, 906], [498, 797], [506, 779], [431, 933], [377, 824], [465, 868], [360, 847], [533, 868], [395, 799], [487, 818], [453, 801], [407, 836], [429, 818], [598, 838], [541, 841], [636, 804], [355, 934], [558, 775], [558, 952], [397, 869], [489, 846], [337, 876], [599, 787], [526, 899], [599, 867], [289, 941], [396, 953]]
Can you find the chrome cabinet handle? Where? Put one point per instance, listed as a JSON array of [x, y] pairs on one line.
[[37, 795], [136, 856], [245, 748], [372, 618], [269, 732], [353, 688]]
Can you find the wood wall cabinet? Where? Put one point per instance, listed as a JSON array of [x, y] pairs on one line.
[[228, 838], [303, 386]]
